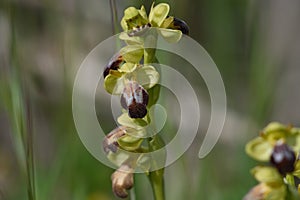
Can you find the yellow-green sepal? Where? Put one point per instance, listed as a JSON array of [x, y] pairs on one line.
[[130, 143], [158, 14], [137, 123], [113, 82], [269, 175], [118, 158], [259, 149], [132, 53], [170, 35], [133, 18], [147, 76], [128, 67]]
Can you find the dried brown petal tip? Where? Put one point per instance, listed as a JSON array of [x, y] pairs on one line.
[[258, 192], [122, 180], [110, 141]]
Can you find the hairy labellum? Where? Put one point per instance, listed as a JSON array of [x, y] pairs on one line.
[[113, 64], [110, 141], [179, 24], [122, 180], [283, 158], [139, 30], [135, 99]]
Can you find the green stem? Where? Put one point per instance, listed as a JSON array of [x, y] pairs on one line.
[[132, 194], [157, 183], [22, 116], [114, 16], [156, 177]]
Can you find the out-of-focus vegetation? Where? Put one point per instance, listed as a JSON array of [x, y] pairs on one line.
[[255, 44]]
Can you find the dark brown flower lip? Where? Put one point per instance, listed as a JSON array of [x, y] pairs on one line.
[[135, 99], [179, 24], [137, 110], [113, 64], [283, 158], [110, 141]]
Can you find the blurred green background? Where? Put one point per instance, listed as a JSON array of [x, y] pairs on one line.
[[255, 44]]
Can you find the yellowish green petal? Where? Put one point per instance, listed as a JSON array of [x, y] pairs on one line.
[[143, 13], [118, 158], [274, 127], [132, 53], [167, 22], [128, 67], [113, 82], [297, 169], [267, 175], [137, 124], [170, 35], [259, 149], [277, 193], [147, 76], [130, 40], [133, 18], [130, 143], [158, 14]]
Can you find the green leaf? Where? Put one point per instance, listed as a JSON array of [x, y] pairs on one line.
[[147, 76], [267, 175], [259, 149], [130, 143], [113, 82], [158, 14], [132, 53], [170, 35]]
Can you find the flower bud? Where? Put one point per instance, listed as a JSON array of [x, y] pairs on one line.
[[110, 141], [113, 64], [283, 158], [122, 180], [135, 99]]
